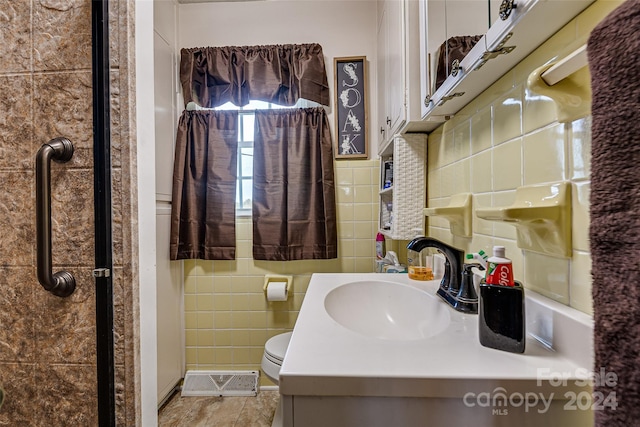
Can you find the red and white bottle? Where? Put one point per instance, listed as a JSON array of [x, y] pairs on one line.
[[499, 268], [380, 246]]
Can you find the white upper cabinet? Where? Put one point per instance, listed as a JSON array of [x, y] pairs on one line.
[[449, 30], [381, 71], [519, 28], [411, 34], [395, 59], [398, 68]]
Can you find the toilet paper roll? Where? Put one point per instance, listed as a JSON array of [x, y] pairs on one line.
[[277, 291]]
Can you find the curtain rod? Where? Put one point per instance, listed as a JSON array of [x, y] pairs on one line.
[[192, 106]]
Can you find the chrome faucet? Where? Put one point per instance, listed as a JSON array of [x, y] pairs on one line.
[[455, 288]]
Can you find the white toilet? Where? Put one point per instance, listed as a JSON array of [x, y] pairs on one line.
[[274, 351]]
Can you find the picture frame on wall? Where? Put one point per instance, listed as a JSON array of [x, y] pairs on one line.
[[351, 112]]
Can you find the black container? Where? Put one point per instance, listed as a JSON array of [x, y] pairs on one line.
[[502, 321]]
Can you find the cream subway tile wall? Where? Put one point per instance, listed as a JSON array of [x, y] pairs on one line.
[[509, 137], [227, 317]]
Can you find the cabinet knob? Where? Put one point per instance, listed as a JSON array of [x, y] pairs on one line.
[[388, 121], [382, 130], [506, 7], [455, 67]]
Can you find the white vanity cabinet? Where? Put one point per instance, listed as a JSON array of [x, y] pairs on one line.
[[506, 42], [398, 67]]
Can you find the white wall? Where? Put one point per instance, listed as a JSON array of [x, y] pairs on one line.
[[342, 28], [169, 296], [145, 135]]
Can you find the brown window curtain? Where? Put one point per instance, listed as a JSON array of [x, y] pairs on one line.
[[294, 208], [204, 186], [280, 74]]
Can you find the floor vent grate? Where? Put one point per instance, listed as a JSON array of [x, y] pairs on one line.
[[220, 383]]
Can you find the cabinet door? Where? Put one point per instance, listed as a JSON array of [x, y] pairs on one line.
[[452, 27], [395, 78], [433, 33], [381, 77]]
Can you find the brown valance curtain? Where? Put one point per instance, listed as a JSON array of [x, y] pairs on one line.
[[294, 210], [204, 186], [280, 74]]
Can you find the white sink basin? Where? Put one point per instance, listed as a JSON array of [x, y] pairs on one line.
[[387, 310]]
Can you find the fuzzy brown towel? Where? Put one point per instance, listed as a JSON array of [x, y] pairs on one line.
[[614, 62]]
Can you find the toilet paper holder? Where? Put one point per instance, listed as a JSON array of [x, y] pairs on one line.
[[268, 278]]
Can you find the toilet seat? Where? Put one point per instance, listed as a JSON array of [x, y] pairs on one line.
[[276, 347], [274, 351]]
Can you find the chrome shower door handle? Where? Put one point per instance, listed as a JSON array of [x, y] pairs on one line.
[[62, 283]]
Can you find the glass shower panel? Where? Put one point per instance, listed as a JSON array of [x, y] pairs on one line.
[[47, 343]]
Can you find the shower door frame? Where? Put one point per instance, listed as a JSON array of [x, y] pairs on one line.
[[105, 363]]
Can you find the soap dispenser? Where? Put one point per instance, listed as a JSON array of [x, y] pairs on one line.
[[419, 267]]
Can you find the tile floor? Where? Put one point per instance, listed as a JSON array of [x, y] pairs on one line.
[[227, 411]]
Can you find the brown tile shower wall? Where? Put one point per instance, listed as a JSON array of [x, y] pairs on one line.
[[47, 344]]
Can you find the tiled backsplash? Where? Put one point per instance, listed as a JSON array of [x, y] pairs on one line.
[[491, 157], [510, 137]]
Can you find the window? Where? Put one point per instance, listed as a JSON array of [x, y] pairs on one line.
[[246, 122]]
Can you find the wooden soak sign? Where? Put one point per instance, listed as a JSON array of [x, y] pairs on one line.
[[352, 139]]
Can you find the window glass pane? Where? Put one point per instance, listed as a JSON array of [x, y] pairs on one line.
[[246, 154], [246, 128], [247, 193], [248, 121]]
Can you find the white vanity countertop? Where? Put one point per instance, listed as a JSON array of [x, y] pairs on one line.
[[325, 358]]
